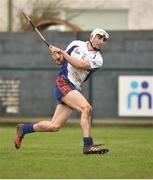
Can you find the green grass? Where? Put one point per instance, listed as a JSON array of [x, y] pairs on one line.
[[59, 155]]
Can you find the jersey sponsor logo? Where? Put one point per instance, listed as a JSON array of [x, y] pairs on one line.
[[93, 62], [93, 57], [76, 51]]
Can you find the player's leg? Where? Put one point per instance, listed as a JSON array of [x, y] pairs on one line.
[[77, 101], [61, 115]]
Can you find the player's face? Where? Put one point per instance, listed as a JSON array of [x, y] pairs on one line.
[[99, 41]]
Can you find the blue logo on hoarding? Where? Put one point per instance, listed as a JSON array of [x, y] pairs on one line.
[[144, 94]]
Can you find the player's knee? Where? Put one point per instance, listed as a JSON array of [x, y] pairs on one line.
[[87, 109]]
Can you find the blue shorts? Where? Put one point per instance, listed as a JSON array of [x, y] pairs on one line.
[[62, 87]]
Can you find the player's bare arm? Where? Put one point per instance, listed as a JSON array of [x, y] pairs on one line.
[[80, 64]]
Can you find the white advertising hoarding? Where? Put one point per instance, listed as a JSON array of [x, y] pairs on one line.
[[135, 96]]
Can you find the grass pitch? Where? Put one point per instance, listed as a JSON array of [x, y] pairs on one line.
[[59, 155]]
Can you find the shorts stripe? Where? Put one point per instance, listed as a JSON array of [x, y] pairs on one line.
[[67, 87], [62, 87]]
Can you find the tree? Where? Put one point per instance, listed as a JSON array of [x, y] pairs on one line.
[[46, 14]]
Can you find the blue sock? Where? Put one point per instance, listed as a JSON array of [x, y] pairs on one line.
[[87, 141], [27, 128]]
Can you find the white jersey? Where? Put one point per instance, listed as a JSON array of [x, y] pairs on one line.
[[79, 50]]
